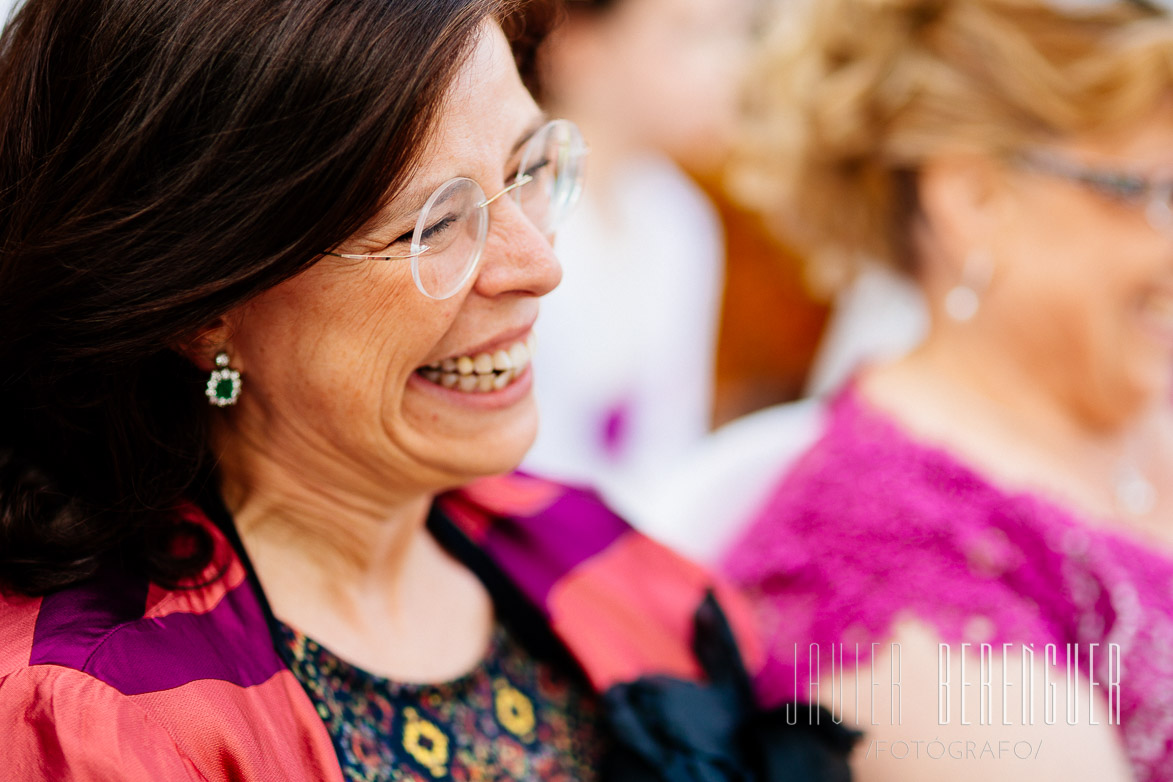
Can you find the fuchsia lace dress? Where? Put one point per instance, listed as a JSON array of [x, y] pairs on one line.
[[871, 526]]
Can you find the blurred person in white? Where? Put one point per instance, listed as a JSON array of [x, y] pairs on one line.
[[1009, 481], [626, 345]]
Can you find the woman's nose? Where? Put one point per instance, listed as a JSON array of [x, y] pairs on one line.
[[518, 258]]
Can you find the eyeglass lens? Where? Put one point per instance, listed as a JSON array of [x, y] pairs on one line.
[[448, 238], [554, 159], [450, 232]]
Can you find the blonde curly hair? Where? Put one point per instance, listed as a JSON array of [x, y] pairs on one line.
[[850, 97]]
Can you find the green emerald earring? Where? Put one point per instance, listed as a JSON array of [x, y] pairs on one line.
[[223, 384]]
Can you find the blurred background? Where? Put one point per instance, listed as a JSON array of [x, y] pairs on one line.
[[678, 312]]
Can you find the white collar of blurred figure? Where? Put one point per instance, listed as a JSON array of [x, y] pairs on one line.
[[1164, 7]]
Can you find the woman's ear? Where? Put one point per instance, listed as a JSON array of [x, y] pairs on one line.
[[959, 206], [958, 198], [202, 347]]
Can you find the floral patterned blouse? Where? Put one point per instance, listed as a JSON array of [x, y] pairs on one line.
[[513, 717]]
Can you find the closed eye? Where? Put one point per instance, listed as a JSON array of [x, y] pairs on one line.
[[535, 169], [434, 233], [1122, 186]]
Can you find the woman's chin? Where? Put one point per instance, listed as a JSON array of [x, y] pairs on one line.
[[1128, 396], [473, 435], [500, 461]]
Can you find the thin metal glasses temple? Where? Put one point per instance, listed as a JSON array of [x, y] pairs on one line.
[[524, 179], [353, 257], [1155, 195]]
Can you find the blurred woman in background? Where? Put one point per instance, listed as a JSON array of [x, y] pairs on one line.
[[1011, 480]]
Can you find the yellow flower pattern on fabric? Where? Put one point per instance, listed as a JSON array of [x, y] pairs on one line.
[[514, 716], [426, 743], [515, 711]]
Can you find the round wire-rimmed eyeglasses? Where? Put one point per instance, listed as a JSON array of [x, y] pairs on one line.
[[1154, 195], [449, 236]]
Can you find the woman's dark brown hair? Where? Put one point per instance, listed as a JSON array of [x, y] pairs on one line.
[[162, 161]]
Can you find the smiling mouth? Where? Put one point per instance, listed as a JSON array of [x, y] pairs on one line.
[[483, 372]]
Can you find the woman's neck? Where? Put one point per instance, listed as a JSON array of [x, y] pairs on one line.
[[355, 570], [342, 531], [1021, 430]]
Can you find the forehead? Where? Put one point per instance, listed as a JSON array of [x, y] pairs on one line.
[[484, 116], [487, 107]]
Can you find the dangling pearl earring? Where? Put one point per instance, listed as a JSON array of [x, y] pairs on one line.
[[224, 383], [964, 299]]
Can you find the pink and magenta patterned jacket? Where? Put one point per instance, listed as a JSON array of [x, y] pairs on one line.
[[119, 679]]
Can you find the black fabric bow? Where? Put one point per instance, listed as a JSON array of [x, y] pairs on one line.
[[671, 730]]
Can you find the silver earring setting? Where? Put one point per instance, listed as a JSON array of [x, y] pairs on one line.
[[224, 383]]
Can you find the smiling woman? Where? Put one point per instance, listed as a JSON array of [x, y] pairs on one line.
[[332, 222]]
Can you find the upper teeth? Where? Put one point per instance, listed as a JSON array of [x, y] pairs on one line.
[[484, 371]]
